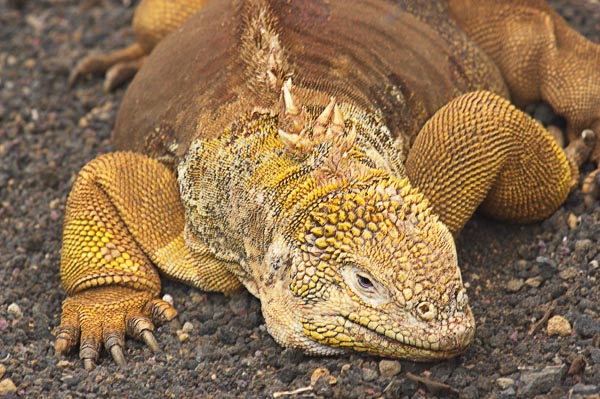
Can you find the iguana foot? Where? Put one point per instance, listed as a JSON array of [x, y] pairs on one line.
[[118, 66], [103, 316], [124, 216]]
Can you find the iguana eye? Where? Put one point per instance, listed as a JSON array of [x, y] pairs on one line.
[[364, 282], [365, 286]]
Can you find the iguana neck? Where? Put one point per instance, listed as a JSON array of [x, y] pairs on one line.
[[243, 189]]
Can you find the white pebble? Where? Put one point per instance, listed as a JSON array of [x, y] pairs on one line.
[[168, 299], [15, 311]]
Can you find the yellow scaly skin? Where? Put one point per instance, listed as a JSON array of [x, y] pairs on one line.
[[315, 204]]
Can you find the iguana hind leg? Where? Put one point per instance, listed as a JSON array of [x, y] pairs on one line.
[[479, 151], [123, 217], [152, 21], [541, 59]]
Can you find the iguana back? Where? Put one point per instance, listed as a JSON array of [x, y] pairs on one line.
[[397, 60]]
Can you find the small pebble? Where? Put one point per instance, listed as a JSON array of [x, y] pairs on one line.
[[568, 273], [15, 311], [522, 264], [389, 368], [595, 355], [577, 365], [187, 327], [537, 382], [572, 221], [587, 326], [2, 370], [198, 297], [514, 285], [319, 373], [558, 325], [64, 363], [7, 386], [508, 367], [168, 299], [583, 389], [546, 267], [369, 374], [504, 382], [583, 245], [534, 281], [182, 336]]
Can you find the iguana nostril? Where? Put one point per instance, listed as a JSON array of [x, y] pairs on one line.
[[426, 311]]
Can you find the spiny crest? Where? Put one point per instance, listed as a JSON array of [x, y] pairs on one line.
[[262, 51], [292, 119], [299, 136]]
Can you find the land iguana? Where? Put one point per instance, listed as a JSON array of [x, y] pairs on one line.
[[323, 155]]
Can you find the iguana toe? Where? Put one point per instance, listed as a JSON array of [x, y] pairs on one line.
[[119, 66], [66, 337], [580, 150], [89, 348], [591, 183], [161, 311], [142, 327], [90, 65], [591, 187], [120, 73]]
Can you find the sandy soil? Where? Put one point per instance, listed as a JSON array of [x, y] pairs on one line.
[[218, 347]]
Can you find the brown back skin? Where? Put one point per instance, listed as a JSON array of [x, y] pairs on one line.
[[406, 65]]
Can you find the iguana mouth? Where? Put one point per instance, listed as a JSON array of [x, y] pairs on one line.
[[396, 344]]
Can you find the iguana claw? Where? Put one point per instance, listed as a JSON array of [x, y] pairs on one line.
[[150, 340], [89, 364], [117, 353]]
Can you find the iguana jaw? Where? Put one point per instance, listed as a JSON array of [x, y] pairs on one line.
[[423, 342]]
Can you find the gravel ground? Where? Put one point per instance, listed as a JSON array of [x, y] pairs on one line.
[[218, 347]]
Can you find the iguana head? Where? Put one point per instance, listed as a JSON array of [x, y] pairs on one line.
[[369, 266], [372, 269]]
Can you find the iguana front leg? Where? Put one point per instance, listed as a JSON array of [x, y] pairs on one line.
[[152, 21], [123, 215], [541, 59], [480, 151]]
